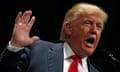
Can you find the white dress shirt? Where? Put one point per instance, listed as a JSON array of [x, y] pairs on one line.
[[67, 53]]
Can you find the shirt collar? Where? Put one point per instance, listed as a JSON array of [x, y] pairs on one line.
[[68, 52]]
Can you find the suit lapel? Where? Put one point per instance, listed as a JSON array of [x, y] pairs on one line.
[[55, 58], [91, 68], [88, 63]]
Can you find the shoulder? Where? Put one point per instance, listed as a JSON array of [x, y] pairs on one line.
[[45, 44]]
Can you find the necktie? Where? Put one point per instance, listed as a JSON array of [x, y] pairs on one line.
[[74, 65]]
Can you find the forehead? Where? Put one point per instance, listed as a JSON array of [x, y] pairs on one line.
[[90, 17]]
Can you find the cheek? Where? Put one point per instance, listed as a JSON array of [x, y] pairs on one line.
[[98, 36], [79, 32], [97, 40]]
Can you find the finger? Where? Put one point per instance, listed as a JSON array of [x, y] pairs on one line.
[[34, 38], [18, 17], [26, 17], [30, 24]]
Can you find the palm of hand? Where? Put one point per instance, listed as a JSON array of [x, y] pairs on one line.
[[21, 32]]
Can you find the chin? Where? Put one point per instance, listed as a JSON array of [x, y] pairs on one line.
[[89, 52]]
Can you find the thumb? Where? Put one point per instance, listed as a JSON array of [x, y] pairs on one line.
[[34, 38]]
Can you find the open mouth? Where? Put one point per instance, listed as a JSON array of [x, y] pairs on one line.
[[90, 41]]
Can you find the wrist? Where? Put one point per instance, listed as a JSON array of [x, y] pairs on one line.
[[12, 45]]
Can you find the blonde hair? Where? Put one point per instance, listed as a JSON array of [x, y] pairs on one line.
[[82, 9]]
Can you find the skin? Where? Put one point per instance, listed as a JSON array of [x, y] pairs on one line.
[[23, 24], [81, 29]]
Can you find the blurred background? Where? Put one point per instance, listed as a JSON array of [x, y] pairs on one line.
[[49, 17]]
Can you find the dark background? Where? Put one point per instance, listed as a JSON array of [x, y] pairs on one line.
[[50, 14]]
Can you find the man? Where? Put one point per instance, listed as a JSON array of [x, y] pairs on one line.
[[81, 32]]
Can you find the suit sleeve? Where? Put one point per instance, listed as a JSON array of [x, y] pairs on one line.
[[14, 61]]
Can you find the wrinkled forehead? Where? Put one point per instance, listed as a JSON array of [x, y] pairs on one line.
[[95, 16], [88, 17]]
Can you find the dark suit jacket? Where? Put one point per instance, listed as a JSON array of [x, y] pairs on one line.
[[41, 56]]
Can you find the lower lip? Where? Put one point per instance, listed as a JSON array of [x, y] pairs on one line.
[[89, 45]]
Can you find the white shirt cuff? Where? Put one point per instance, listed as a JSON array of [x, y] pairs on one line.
[[14, 48]]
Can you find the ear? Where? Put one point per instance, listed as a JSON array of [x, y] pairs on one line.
[[68, 29]]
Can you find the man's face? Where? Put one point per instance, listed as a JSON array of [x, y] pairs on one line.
[[85, 33]]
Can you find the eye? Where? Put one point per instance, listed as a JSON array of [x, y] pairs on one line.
[[87, 23], [99, 26]]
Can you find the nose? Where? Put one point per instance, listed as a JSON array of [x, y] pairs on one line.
[[93, 29]]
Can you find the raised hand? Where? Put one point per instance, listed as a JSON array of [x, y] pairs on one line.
[[21, 32]]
